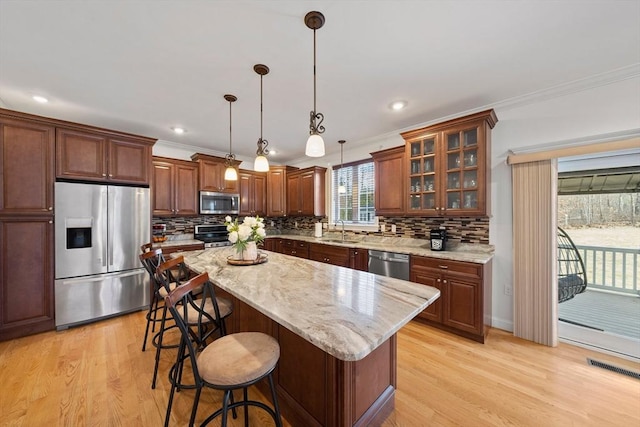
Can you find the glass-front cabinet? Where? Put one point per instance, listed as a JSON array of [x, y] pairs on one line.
[[448, 166]]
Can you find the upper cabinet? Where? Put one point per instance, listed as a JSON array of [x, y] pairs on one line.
[[306, 192], [26, 167], [389, 172], [212, 174], [253, 193], [448, 167], [93, 155], [277, 191], [175, 187]]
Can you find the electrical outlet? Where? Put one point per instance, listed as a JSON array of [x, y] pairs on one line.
[[382, 228], [393, 228], [508, 290], [272, 223], [295, 224]]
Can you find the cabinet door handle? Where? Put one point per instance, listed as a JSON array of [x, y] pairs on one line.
[[50, 208], [438, 280], [104, 174], [110, 175], [444, 267], [50, 222], [444, 281]]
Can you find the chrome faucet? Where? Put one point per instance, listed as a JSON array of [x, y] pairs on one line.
[[342, 229]]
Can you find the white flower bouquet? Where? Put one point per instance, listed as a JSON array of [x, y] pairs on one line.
[[241, 235]]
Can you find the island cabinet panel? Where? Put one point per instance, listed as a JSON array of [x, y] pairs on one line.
[[390, 196], [335, 255], [463, 307], [87, 155], [314, 388], [212, 170]]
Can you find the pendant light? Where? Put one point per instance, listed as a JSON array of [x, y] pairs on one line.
[[315, 143], [341, 187], [261, 164], [230, 174]]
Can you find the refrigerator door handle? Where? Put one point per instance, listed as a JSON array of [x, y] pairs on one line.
[[110, 223]]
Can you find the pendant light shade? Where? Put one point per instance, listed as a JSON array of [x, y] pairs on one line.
[[230, 174], [341, 187], [315, 144], [261, 164]]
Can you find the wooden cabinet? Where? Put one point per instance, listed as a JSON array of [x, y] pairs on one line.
[[175, 187], [89, 155], [329, 254], [277, 191], [26, 167], [306, 192], [295, 248], [253, 193], [27, 150], [359, 259], [26, 276], [448, 167], [390, 194], [212, 170], [464, 305]]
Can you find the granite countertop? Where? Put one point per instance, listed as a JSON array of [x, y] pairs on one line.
[[479, 254], [346, 313]]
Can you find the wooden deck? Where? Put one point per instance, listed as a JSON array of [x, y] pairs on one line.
[[608, 312]]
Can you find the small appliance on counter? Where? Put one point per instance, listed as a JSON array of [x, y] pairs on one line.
[[438, 239]]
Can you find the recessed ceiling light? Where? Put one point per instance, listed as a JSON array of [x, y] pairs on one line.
[[178, 130], [40, 99], [398, 105]]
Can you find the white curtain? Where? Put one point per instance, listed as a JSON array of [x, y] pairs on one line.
[[535, 289]]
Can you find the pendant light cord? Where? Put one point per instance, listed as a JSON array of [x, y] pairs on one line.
[[230, 152], [315, 110], [260, 107]]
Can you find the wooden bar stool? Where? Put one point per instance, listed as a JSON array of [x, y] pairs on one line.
[[232, 362], [169, 275], [151, 260]]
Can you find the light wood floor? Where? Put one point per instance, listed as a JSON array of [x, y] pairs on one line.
[[96, 375]]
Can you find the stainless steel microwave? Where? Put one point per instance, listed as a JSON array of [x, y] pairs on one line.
[[219, 203]]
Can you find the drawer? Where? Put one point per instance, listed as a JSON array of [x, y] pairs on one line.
[[457, 267]]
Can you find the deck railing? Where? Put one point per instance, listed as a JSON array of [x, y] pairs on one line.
[[613, 269]]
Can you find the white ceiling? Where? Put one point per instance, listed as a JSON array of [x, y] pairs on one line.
[[145, 66]]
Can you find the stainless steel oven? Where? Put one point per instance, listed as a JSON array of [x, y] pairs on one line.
[[212, 235], [219, 203]]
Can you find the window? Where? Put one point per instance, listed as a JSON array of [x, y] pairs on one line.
[[356, 205]]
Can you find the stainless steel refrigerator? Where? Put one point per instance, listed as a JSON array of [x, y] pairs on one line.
[[98, 233]]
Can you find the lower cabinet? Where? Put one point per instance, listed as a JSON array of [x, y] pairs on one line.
[[26, 276], [359, 259], [464, 306], [335, 255], [294, 247]]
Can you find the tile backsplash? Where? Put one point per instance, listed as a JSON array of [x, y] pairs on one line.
[[459, 229]]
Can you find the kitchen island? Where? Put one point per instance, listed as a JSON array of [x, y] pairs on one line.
[[336, 328]]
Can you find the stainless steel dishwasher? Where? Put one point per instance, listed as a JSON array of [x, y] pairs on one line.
[[389, 264]]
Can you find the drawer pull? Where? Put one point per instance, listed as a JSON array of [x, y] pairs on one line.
[[444, 267]]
